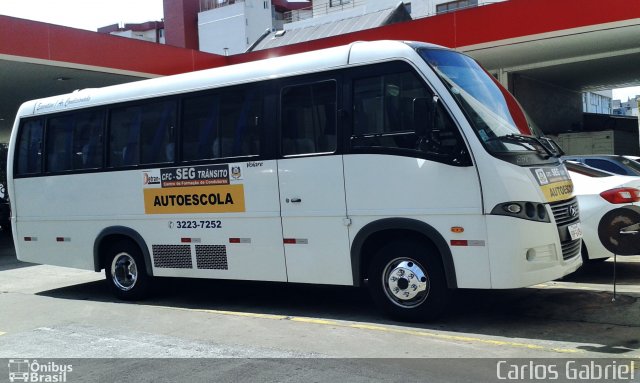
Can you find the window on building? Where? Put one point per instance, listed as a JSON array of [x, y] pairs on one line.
[[338, 3], [308, 115], [142, 134], [221, 125], [453, 5]]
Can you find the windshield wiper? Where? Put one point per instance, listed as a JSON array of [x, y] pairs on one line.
[[555, 148], [527, 142]]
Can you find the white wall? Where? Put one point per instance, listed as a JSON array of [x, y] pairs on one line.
[[149, 35], [258, 13], [222, 28], [234, 26], [422, 8], [326, 18]]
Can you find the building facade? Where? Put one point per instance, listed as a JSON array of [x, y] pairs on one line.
[[627, 108], [229, 27], [151, 31], [597, 102], [250, 19]]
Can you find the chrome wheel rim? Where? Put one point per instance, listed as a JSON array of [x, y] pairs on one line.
[[124, 271], [405, 282]]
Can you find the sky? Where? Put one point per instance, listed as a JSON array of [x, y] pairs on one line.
[[624, 93], [84, 14]]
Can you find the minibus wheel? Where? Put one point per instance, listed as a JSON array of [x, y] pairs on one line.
[[406, 280], [125, 271]]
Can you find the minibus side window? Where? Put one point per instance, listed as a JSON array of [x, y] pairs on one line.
[[29, 148], [384, 119], [221, 125], [308, 115], [74, 141], [384, 104], [142, 134]]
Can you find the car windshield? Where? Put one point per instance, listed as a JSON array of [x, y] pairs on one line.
[[579, 168], [631, 164], [495, 115]]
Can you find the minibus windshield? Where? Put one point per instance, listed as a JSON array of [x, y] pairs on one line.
[[495, 115]]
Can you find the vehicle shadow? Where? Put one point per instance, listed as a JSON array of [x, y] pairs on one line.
[[567, 314], [627, 270]]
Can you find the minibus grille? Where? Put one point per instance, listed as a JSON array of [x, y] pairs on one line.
[[567, 213], [211, 257], [571, 248], [208, 257], [172, 256], [562, 211]]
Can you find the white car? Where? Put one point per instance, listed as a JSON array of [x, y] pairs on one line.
[[598, 192], [634, 158]]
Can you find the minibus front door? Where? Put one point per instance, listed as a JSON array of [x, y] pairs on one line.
[[314, 225]]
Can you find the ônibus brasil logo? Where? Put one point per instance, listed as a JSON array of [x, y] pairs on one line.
[[23, 370]]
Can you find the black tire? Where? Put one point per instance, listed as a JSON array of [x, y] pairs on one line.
[[131, 282], [417, 298]]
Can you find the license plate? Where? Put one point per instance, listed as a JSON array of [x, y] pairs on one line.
[[575, 231]]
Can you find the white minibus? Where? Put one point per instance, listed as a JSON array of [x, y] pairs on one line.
[[400, 165]]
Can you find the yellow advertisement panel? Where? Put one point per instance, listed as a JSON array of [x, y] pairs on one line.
[[557, 191], [197, 199], [554, 182]]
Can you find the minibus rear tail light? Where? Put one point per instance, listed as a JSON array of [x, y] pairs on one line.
[[621, 195]]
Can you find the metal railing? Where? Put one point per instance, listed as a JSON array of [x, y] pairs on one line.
[[206, 5], [297, 15], [317, 10], [327, 8], [435, 11]]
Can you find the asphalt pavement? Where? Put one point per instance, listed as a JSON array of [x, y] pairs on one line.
[[256, 331]]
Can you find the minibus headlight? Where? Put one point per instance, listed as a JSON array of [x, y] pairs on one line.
[[513, 208], [532, 211]]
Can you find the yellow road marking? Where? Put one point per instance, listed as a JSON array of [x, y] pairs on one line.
[[458, 338], [316, 321], [386, 329], [2, 333], [231, 313]]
